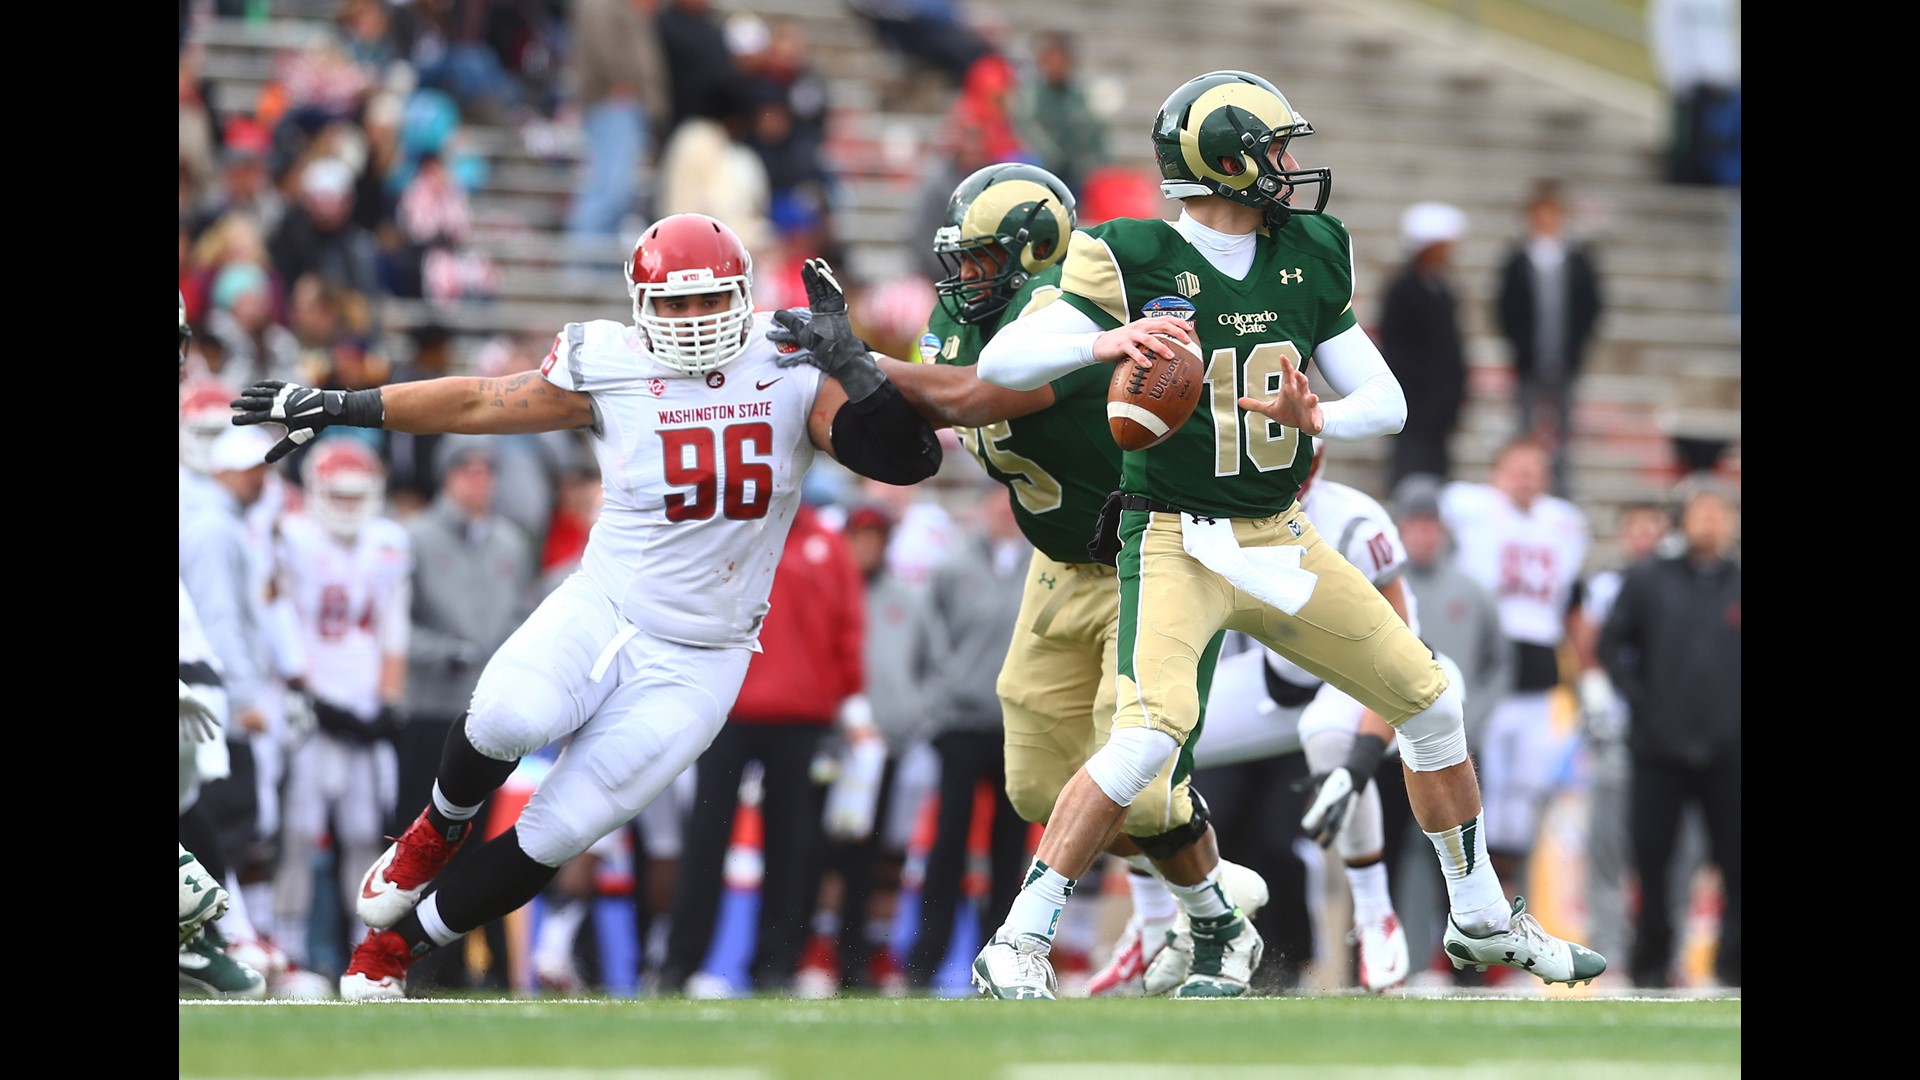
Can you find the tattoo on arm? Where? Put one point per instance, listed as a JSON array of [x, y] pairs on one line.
[[517, 387]]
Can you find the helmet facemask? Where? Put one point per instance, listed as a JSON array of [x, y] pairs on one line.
[[697, 344]]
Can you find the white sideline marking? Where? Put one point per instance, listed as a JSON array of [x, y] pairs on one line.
[[1477, 1071], [691, 1072]]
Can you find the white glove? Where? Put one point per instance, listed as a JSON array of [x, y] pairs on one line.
[[198, 723], [854, 797], [1600, 711]]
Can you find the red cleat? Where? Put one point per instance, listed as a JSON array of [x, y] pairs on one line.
[[398, 878], [378, 970]]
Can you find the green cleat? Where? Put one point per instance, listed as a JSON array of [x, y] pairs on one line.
[[1226, 950], [205, 967]]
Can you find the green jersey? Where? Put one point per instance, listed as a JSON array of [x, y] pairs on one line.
[[1224, 461], [1060, 463]]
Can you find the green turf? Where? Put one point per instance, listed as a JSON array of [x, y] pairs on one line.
[[1364, 1038]]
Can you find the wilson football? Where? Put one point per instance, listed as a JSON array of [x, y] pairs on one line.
[[1144, 407]]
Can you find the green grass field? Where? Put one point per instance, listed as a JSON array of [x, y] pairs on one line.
[[1362, 1038]]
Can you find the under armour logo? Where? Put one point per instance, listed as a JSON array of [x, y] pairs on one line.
[[1048, 580], [1292, 277]]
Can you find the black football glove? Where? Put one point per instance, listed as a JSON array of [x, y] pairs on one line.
[[304, 411], [822, 335], [1335, 798]]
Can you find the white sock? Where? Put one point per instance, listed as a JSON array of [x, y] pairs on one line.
[[1479, 907], [1206, 900], [1037, 909], [1369, 886], [1151, 900], [430, 921]]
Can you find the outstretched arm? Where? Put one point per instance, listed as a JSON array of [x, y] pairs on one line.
[[512, 405], [949, 395]]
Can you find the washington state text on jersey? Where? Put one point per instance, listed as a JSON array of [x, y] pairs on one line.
[[723, 411]]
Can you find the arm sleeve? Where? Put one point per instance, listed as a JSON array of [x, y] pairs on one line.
[[883, 438], [1371, 402], [1036, 349]]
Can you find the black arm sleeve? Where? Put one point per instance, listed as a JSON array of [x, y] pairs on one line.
[[882, 437]]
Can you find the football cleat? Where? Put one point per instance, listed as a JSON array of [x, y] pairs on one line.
[[1525, 946], [1384, 963], [202, 900], [1169, 969], [400, 875], [1015, 966], [1126, 970], [1226, 950], [378, 970], [205, 966]]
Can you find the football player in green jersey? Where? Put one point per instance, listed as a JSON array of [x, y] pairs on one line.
[[1005, 232], [1210, 531]]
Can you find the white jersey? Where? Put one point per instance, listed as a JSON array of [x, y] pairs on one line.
[[352, 602], [701, 478], [194, 646], [1363, 532], [1529, 559]]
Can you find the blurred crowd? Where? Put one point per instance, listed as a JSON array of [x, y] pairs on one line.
[[794, 858]]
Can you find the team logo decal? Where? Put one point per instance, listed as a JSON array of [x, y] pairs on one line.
[[656, 387], [1175, 306], [929, 348], [1292, 277], [1294, 527], [716, 379], [1188, 284]]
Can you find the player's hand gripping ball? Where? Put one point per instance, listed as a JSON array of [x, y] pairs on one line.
[[1145, 407]]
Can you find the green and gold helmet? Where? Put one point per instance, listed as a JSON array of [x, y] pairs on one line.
[[1004, 224], [1215, 136]]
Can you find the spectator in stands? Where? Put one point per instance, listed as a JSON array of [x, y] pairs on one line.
[[413, 471], [987, 101], [1054, 117], [933, 31], [810, 664], [235, 238], [257, 347], [707, 168], [1696, 45], [317, 315], [472, 585], [1419, 334], [365, 31], [620, 77], [1548, 301], [788, 65], [966, 625], [702, 76], [243, 186], [1671, 645], [318, 235], [576, 506], [967, 150], [453, 53], [199, 127]]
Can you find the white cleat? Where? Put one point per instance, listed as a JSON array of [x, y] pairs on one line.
[[202, 900], [1384, 963], [1525, 945], [1125, 972], [1015, 966]]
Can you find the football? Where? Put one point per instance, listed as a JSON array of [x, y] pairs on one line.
[[1144, 407]]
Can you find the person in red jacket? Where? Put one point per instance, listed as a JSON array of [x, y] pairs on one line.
[[809, 665]]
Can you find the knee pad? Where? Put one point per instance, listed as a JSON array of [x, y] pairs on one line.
[[1435, 738], [513, 711], [1166, 845], [1129, 761]]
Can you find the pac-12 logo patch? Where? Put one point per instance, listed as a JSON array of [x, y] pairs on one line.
[[553, 354], [1177, 306], [929, 348], [656, 387]]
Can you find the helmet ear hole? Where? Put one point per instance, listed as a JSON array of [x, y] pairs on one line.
[[1232, 166]]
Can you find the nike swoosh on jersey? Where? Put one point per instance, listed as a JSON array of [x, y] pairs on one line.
[[769, 382]]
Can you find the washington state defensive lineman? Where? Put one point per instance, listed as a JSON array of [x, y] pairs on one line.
[[702, 439]]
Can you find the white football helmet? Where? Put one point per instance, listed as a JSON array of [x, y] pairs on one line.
[[687, 255], [346, 485], [206, 413]]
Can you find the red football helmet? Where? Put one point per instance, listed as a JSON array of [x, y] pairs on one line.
[[345, 485], [689, 255], [206, 412]]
